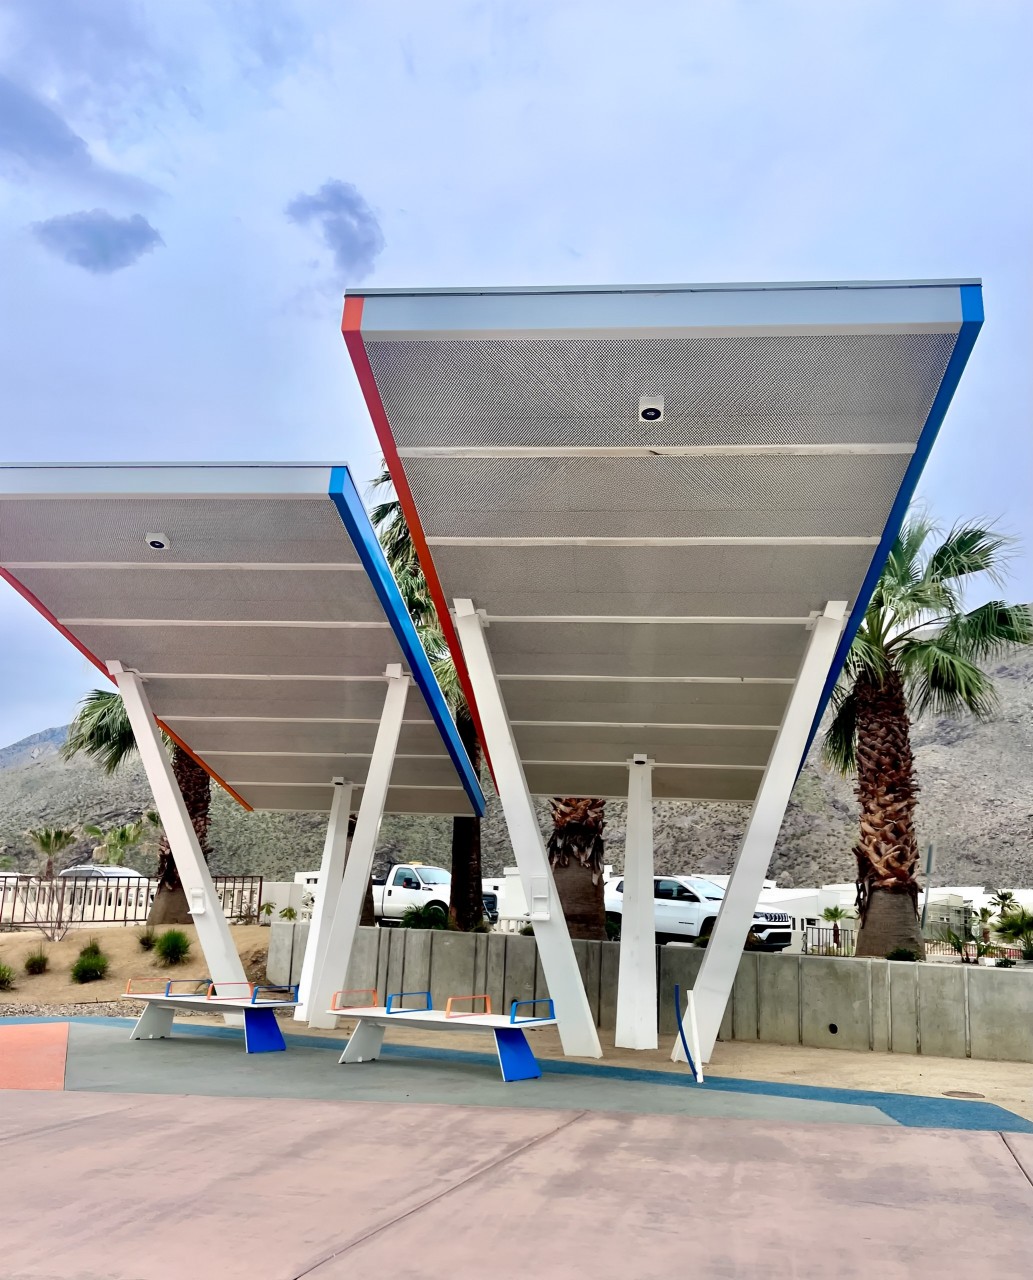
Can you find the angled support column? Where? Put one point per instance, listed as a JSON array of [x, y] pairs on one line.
[[576, 1025], [636, 977], [332, 965], [331, 873], [721, 962], [213, 931]]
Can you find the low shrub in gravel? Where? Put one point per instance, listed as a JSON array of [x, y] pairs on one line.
[[146, 940], [6, 977], [92, 964], [172, 946], [36, 962]]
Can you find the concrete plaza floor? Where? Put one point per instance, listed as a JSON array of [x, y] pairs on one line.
[[152, 1159]]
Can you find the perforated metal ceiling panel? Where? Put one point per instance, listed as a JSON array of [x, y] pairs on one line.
[[636, 573], [262, 641]]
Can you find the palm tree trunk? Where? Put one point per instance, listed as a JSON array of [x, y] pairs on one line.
[[466, 900], [576, 851], [886, 850], [170, 903]]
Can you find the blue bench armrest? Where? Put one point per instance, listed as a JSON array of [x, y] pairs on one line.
[[517, 1004], [400, 995]]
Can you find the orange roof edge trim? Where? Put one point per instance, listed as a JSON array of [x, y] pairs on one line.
[[351, 328]]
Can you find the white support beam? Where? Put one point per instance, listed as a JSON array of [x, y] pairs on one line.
[[578, 1034], [713, 985], [331, 874], [332, 969], [213, 931], [636, 976]]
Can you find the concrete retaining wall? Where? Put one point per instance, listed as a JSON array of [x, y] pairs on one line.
[[953, 1011]]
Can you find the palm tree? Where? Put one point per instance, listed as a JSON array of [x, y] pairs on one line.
[[983, 920], [116, 840], [833, 915], [51, 841], [576, 851], [101, 730], [466, 900], [917, 650], [1004, 901]]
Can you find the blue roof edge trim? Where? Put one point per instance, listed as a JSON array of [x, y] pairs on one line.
[[971, 322], [345, 497]]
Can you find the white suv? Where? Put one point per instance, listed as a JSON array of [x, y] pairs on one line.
[[686, 907]]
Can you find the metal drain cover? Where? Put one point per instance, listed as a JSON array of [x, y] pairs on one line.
[[961, 1093]]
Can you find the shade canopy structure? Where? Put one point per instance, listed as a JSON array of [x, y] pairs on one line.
[[257, 606], [650, 584], [651, 520]]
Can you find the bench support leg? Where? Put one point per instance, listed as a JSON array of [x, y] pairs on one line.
[[515, 1056], [155, 1023], [364, 1043], [262, 1033]]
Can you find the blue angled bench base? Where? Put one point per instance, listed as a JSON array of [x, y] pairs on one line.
[[262, 1032], [515, 1056]]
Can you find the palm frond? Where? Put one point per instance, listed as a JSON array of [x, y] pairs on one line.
[[101, 730], [839, 746], [940, 680], [988, 631], [969, 549]]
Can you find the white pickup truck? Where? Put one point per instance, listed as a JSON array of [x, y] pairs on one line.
[[410, 884], [686, 907]]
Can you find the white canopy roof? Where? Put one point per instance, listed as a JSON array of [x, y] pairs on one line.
[[262, 627], [650, 579]]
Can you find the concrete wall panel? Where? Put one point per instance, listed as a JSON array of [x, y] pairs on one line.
[[1000, 1004], [903, 981], [778, 998], [941, 1010], [835, 1007], [278, 961], [521, 954], [678, 965], [745, 1016], [452, 965]]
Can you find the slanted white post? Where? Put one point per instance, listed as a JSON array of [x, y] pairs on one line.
[[717, 973], [576, 1025], [636, 976], [332, 965], [213, 931], [331, 872]]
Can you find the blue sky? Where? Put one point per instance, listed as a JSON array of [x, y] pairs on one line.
[[185, 190]]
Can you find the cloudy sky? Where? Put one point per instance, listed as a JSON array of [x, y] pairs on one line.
[[186, 188]]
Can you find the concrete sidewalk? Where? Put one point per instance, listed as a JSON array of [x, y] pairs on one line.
[[124, 1187]]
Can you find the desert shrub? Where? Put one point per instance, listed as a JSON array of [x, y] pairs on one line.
[[902, 953], [527, 931], [90, 967], [6, 977], [1005, 962], [92, 948], [172, 946], [424, 917], [146, 940], [288, 913], [36, 962]]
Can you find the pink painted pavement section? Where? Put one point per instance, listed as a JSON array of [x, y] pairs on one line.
[[146, 1187], [32, 1055]]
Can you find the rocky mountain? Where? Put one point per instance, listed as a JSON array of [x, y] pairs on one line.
[[976, 804]]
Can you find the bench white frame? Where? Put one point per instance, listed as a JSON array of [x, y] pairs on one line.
[[516, 1060], [262, 1033]]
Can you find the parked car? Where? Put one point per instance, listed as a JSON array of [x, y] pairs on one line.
[[685, 907], [408, 885]]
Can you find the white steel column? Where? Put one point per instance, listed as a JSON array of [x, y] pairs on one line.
[[333, 964], [213, 931], [577, 1028], [636, 977], [721, 961], [331, 872]]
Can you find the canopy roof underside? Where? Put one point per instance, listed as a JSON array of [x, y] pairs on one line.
[[260, 637], [649, 585]]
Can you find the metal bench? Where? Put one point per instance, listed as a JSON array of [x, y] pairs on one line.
[[516, 1061], [257, 1003]]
